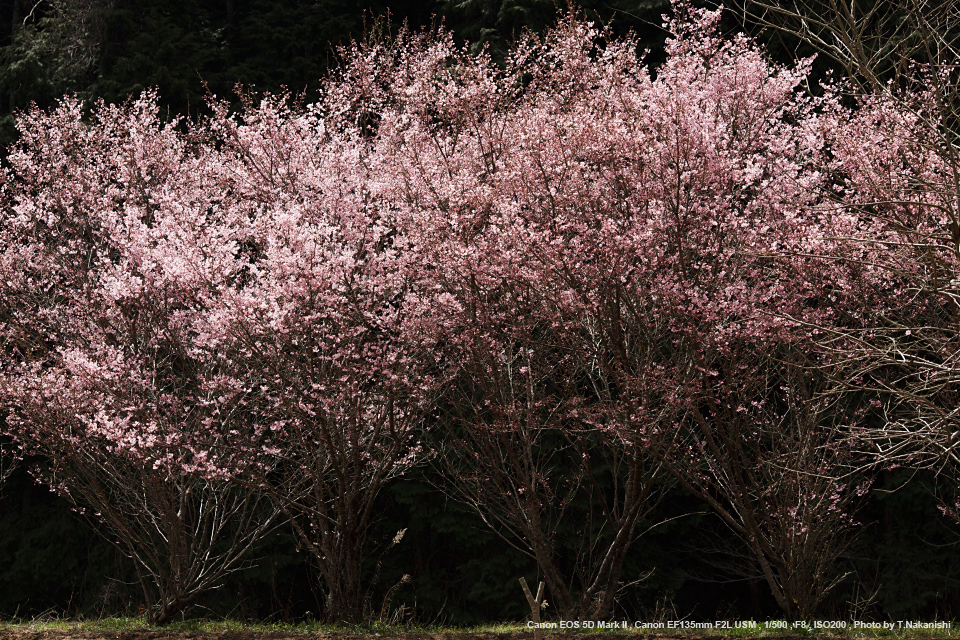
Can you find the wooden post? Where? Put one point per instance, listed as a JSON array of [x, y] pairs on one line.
[[534, 606]]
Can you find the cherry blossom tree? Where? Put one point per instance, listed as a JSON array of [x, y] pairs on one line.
[[323, 331], [732, 185], [896, 176], [465, 139], [536, 471], [213, 316], [606, 243], [769, 452], [742, 156], [100, 376], [896, 168]]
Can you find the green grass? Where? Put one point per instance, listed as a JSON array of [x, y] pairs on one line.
[[759, 630]]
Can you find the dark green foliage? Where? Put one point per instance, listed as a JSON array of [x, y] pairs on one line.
[[50, 560], [116, 48], [460, 570], [656, 569], [168, 45], [907, 554], [113, 49], [279, 587], [288, 45], [47, 50], [496, 24]]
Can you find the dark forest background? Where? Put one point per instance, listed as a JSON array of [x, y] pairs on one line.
[[903, 565]]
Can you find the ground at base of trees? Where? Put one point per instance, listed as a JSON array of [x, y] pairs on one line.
[[61, 634]]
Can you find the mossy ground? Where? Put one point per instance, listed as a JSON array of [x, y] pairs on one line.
[[137, 628]]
